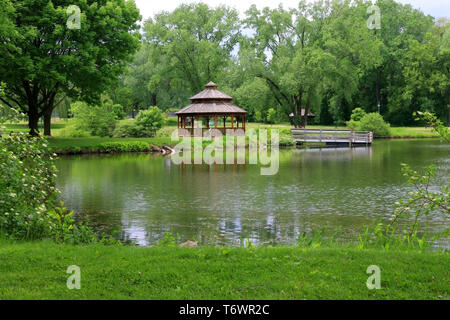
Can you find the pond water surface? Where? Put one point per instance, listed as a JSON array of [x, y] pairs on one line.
[[143, 195]]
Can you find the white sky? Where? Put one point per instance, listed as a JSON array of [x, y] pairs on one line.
[[436, 8]]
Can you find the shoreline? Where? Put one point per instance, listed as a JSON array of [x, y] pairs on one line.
[[136, 145]]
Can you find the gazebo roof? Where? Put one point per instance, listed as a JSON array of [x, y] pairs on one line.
[[210, 92], [211, 101]]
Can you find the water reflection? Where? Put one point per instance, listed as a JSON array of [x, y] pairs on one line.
[[145, 196]]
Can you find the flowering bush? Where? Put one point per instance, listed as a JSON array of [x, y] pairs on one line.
[[27, 187]]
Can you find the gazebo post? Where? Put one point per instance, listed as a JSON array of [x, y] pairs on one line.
[[207, 104]]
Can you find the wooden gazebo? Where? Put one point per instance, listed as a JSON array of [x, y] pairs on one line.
[[214, 109]]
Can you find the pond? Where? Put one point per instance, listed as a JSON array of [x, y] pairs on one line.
[[144, 195]]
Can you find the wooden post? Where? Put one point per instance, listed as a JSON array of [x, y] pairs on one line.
[[232, 122], [215, 121], [243, 122]]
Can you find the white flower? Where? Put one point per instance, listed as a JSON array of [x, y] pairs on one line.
[[12, 195]]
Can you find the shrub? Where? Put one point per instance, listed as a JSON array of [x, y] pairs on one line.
[[357, 114], [151, 120], [271, 116], [128, 146], [352, 124], [72, 132], [133, 130], [27, 187], [258, 116], [97, 120], [65, 229], [286, 141], [28, 209], [374, 122], [118, 111]]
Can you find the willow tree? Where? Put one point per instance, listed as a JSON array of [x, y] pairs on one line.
[[305, 52], [195, 42], [53, 54]]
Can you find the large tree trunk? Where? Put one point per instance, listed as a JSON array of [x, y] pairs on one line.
[[153, 99], [47, 123], [33, 120]]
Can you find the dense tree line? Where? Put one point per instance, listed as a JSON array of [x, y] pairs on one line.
[[319, 57]]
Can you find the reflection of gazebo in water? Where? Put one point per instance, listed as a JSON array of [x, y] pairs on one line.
[[211, 105]]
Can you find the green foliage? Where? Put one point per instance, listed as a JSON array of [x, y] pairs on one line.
[[151, 120], [126, 146], [118, 111], [271, 116], [42, 58], [72, 132], [189, 47], [28, 209], [258, 116], [355, 119], [357, 114], [27, 187], [167, 241], [305, 59], [98, 120], [129, 129], [64, 229], [374, 122], [435, 123], [421, 201]]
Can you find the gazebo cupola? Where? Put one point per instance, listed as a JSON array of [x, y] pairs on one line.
[[211, 105]]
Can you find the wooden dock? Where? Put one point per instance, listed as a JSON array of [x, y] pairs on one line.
[[333, 136]]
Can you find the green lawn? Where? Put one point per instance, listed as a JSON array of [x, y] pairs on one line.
[[38, 271]]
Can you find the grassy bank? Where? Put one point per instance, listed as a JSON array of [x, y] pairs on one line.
[[96, 144], [62, 144], [38, 271]]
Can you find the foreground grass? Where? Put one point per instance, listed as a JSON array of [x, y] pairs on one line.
[[38, 271]]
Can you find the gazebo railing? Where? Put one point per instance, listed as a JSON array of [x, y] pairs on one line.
[[222, 130]]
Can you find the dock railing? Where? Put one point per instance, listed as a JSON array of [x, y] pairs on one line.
[[332, 136]]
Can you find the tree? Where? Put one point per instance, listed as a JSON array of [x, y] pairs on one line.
[[427, 77], [194, 42], [304, 54], [384, 84], [46, 58]]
